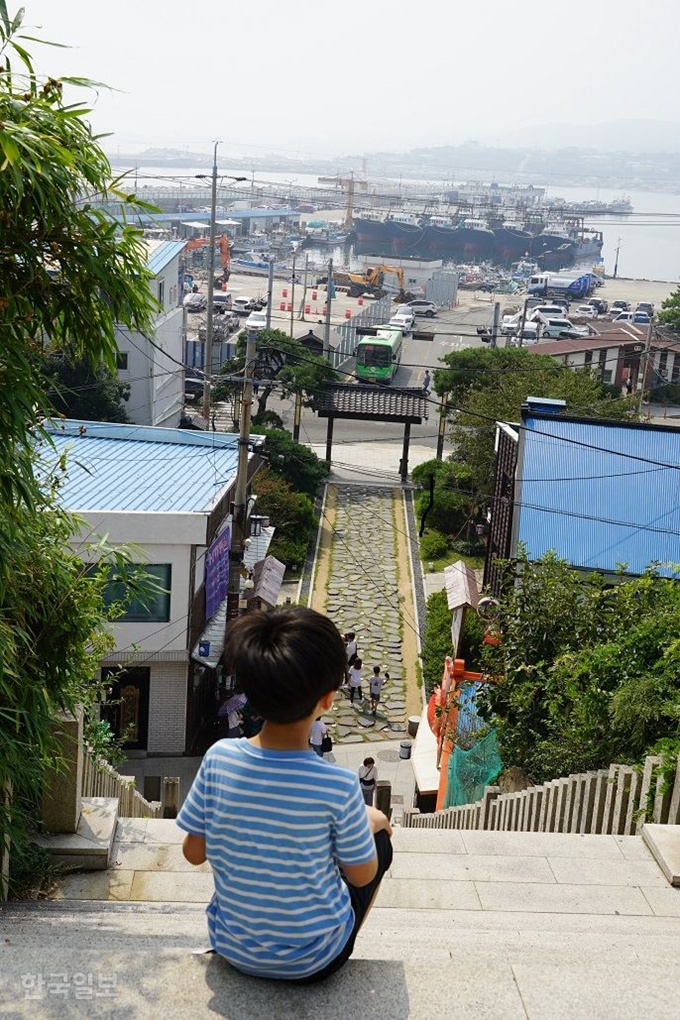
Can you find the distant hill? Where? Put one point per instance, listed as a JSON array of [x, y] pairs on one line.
[[612, 136]]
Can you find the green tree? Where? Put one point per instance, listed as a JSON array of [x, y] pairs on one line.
[[669, 316], [284, 362], [291, 513], [586, 672], [67, 274], [296, 464], [491, 385], [79, 391]]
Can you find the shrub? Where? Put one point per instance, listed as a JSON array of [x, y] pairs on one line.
[[433, 545]]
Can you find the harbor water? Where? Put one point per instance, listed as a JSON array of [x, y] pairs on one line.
[[648, 240]]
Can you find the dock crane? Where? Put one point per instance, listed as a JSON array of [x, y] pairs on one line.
[[349, 184]]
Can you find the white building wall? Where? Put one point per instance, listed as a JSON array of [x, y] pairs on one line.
[[154, 369], [167, 708]]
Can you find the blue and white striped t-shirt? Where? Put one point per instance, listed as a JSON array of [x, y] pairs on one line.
[[276, 826]]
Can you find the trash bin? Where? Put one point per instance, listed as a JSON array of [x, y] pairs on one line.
[[405, 749], [413, 724]]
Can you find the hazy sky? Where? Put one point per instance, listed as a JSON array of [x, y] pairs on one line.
[[332, 78]]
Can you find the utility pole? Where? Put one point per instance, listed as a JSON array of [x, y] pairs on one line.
[[292, 293], [616, 263], [522, 323], [644, 367], [207, 362], [304, 290], [239, 521], [327, 327], [496, 323], [270, 293]]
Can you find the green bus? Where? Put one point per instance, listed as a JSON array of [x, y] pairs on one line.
[[378, 355]]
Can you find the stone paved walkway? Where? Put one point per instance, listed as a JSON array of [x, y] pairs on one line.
[[362, 595]]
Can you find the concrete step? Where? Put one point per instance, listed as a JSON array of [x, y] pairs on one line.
[[171, 983]]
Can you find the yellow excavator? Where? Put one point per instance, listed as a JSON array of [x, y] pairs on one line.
[[371, 282]]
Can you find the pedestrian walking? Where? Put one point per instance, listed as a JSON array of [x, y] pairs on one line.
[[368, 777], [317, 732], [427, 379], [351, 647], [375, 686], [355, 681]]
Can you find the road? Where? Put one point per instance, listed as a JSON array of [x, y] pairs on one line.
[[455, 330]]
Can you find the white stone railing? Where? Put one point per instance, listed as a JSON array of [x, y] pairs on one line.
[[100, 779], [617, 800]]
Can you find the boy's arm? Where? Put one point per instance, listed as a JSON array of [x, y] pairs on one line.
[[193, 849]]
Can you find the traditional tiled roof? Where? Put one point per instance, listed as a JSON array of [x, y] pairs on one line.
[[383, 403]]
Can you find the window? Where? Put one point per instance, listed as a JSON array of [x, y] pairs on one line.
[[161, 293], [588, 358], [149, 606], [122, 361]]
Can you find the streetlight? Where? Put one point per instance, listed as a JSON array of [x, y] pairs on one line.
[[207, 361], [292, 292]]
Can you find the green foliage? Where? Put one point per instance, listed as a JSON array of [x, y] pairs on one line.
[[486, 386], [102, 741], [433, 545], [587, 672], [291, 513], [297, 464], [669, 316], [436, 640], [453, 507], [85, 393], [68, 273]]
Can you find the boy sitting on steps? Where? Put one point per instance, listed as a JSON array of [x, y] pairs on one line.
[[297, 856]]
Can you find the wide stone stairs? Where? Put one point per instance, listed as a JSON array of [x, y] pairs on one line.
[[471, 924]]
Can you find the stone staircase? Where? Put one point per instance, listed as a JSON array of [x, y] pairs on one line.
[[471, 924]]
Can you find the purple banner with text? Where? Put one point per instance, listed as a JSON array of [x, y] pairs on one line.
[[217, 573]]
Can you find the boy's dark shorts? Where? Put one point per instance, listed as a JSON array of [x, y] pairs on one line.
[[361, 900]]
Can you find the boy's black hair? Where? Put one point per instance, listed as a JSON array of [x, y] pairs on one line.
[[285, 660], [376, 670]]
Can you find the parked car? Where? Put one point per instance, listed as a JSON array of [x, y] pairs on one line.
[[195, 302], [546, 312], [405, 321], [422, 307], [221, 302], [510, 324], [600, 304], [256, 320], [587, 311], [642, 317], [193, 384], [645, 306], [242, 305], [622, 316], [556, 324], [620, 306]]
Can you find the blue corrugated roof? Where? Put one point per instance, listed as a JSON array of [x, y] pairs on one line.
[[594, 504], [138, 468], [162, 253]]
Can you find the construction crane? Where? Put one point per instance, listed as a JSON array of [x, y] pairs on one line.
[[349, 184], [222, 242]]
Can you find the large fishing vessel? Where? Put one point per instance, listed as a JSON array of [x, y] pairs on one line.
[[446, 237]]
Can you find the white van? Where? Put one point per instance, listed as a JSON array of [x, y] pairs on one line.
[[547, 312]]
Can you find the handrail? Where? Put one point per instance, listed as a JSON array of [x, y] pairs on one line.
[[617, 800], [100, 779]]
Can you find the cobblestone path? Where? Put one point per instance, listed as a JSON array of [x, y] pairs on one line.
[[362, 595]]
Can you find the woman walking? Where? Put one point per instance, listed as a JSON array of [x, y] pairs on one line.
[[368, 777], [355, 681]]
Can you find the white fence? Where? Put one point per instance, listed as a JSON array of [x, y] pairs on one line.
[[617, 800], [101, 780]]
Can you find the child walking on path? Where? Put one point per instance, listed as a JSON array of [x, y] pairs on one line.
[[297, 855], [376, 684], [355, 681]]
